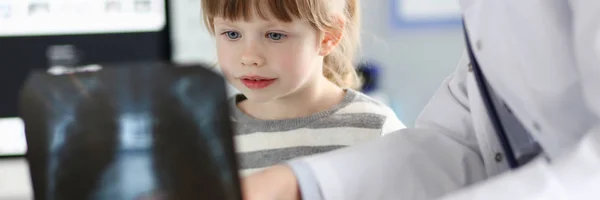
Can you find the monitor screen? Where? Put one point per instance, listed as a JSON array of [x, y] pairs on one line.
[[34, 34], [64, 17]]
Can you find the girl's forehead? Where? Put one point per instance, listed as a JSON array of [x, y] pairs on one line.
[[253, 20], [255, 10], [260, 15], [270, 21], [296, 26]]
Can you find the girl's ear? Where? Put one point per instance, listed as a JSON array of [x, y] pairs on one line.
[[332, 38]]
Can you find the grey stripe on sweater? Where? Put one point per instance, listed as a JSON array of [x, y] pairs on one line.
[[260, 159]]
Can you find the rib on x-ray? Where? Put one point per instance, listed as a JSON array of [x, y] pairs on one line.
[[130, 132]]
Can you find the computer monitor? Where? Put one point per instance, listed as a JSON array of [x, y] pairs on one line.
[[39, 34]]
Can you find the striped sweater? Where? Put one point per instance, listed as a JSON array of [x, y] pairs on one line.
[[262, 143]]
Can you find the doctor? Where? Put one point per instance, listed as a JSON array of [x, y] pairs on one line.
[[531, 72]]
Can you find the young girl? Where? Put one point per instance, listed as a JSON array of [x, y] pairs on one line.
[[292, 60]]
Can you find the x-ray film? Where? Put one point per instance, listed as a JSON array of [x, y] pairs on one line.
[[152, 131]]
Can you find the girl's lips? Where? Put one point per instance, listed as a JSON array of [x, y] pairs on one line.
[[257, 82]]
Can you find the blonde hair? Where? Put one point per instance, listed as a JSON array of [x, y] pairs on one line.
[[323, 15]]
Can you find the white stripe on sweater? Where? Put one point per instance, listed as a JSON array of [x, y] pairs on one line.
[[304, 137]]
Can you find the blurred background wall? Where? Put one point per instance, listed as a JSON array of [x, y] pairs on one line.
[[415, 59]]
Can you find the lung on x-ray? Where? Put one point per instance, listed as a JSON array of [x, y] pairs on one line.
[[152, 131]]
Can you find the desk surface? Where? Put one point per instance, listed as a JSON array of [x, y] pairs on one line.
[[12, 137], [15, 182], [14, 172]]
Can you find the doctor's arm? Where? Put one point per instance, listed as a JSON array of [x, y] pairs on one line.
[[437, 157]]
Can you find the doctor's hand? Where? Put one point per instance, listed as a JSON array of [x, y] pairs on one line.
[[275, 183]]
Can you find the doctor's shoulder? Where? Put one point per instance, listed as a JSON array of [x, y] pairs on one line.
[[369, 113]]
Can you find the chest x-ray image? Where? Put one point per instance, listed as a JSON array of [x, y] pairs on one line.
[[152, 131]]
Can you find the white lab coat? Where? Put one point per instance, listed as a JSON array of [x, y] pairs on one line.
[[543, 58], [550, 50]]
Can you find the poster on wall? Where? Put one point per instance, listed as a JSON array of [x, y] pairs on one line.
[[407, 14], [63, 17]]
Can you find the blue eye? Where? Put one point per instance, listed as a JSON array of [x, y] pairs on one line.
[[232, 35], [276, 36]]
